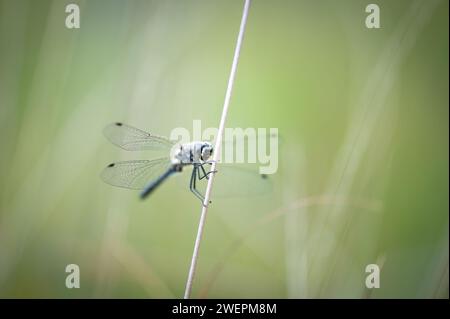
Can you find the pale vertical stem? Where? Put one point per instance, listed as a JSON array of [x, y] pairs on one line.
[[217, 150]]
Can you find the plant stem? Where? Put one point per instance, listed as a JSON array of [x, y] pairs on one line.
[[216, 156]]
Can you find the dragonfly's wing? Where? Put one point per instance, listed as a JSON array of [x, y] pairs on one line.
[[234, 138], [233, 180], [244, 146], [132, 139], [134, 174]]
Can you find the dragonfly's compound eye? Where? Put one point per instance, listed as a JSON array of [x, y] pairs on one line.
[[206, 151]]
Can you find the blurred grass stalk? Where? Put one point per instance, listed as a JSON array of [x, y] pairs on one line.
[[329, 239]]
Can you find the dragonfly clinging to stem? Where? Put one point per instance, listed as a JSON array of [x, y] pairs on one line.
[[147, 175]]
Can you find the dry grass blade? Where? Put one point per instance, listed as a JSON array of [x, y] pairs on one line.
[[216, 158]]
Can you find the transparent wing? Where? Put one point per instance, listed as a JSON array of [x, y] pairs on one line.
[[246, 146], [132, 139], [251, 137], [134, 174], [232, 180], [235, 180]]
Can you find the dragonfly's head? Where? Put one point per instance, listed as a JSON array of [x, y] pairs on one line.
[[206, 151]]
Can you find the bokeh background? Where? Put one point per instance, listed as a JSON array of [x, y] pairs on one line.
[[363, 173]]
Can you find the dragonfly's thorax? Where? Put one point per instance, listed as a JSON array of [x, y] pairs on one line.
[[193, 152]]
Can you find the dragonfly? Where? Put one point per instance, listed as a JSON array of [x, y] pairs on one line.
[[148, 175]]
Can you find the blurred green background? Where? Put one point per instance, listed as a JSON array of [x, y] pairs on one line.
[[363, 173]]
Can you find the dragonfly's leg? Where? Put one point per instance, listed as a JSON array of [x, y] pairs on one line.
[[205, 174], [198, 172], [193, 183]]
